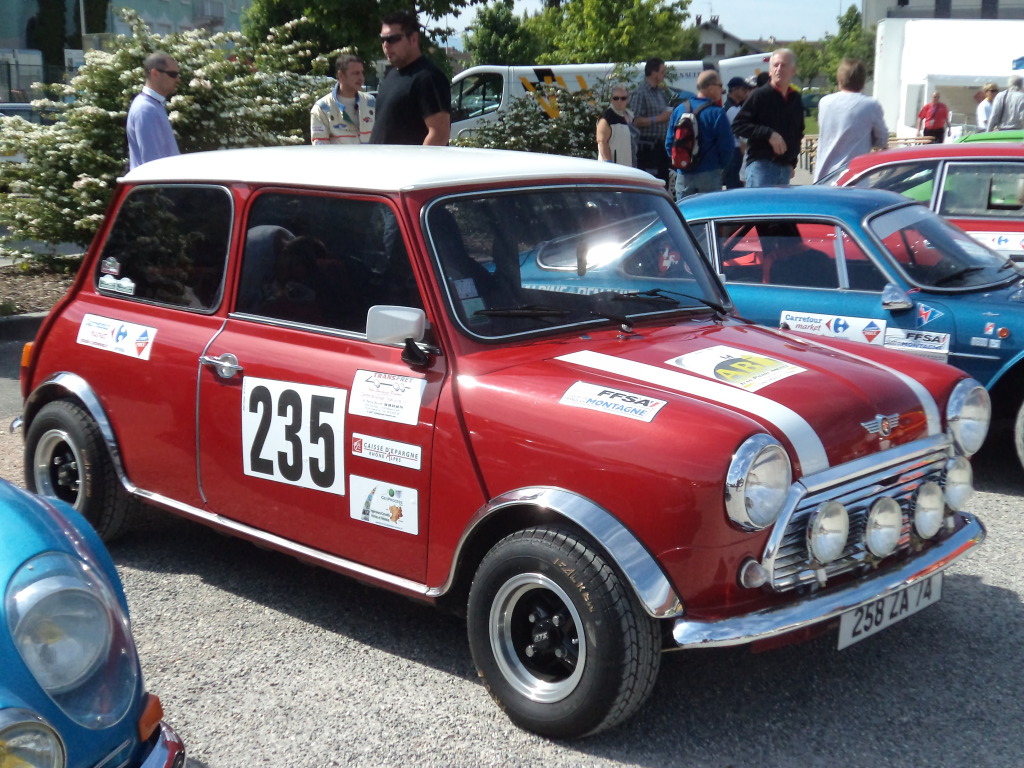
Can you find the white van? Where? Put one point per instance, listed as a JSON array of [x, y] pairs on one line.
[[480, 93]]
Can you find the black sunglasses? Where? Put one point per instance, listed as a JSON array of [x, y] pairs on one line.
[[620, 98], [392, 38], [175, 74]]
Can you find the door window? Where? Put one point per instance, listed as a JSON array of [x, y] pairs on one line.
[[983, 190], [779, 252], [914, 180], [168, 245], [323, 261], [477, 95]]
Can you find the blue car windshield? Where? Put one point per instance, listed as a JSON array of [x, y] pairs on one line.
[[936, 255], [534, 260]]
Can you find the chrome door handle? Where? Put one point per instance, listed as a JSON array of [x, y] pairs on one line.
[[226, 365]]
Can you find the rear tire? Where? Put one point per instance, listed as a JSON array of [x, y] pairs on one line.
[[67, 459], [561, 644]]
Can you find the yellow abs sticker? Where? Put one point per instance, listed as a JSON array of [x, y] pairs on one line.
[[741, 368]]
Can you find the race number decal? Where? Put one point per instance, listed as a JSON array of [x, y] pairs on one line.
[[294, 434]]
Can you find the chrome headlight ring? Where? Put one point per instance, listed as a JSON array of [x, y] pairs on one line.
[[27, 739], [968, 414], [758, 483], [73, 636]]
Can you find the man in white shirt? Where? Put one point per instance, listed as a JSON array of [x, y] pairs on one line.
[[346, 114], [985, 105], [149, 130]]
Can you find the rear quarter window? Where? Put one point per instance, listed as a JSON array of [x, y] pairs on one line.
[[168, 245]]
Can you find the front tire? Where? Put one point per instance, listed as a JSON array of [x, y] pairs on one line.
[[67, 459], [561, 644], [1018, 434]]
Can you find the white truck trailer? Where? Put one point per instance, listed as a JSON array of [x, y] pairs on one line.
[[956, 57]]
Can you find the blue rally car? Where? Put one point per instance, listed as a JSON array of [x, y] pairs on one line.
[[71, 690], [872, 267]]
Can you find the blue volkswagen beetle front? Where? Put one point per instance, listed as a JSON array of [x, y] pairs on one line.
[[71, 692]]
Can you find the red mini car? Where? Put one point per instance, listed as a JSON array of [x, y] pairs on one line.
[[979, 186], [340, 352]]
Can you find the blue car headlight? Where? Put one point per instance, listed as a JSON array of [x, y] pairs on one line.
[[27, 740], [73, 636]]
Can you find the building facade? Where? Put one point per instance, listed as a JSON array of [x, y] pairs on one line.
[[873, 11]]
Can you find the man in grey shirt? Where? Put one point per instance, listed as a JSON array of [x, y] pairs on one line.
[[849, 123], [1008, 107]]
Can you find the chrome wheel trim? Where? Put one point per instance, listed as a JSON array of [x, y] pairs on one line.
[[57, 468], [544, 678]]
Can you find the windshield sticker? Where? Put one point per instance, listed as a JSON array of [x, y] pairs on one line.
[[114, 336], [110, 266], [863, 329], [739, 367], [615, 401], [931, 345], [387, 396], [384, 504], [388, 451], [926, 314]]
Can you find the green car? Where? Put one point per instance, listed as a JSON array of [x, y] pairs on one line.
[[1015, 134]]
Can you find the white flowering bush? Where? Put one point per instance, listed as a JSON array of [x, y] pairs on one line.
[[234, 92]]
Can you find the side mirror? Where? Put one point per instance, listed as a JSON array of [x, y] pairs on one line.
[[894, 299], [394, 325]]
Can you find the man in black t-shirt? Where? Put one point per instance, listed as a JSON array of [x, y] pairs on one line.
[[414, 98]]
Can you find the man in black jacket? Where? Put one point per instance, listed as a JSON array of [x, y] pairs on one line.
[[772, 122]]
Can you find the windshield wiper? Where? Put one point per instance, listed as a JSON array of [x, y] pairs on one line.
[[957, 275], [662, 294], [527, 311]]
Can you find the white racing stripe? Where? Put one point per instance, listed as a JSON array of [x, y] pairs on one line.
[[809, 448], [924, 397]]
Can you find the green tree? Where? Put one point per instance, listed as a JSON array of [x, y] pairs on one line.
[[234, 92], [498, 36], [851, 41], [810, 61], [336, 24], [585, 31]]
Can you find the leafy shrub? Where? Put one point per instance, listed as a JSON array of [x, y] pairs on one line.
[[234, 92]]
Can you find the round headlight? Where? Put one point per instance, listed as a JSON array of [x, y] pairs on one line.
[[968, 414], [929, 510], [27, 740], [827, 532], [73, 636], [885, 523], [63, 633], [959, 482], [757, 483]]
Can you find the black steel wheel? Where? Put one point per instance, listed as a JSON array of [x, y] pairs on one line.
[[562, 645]]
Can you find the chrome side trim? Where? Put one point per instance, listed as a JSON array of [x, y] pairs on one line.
[[285, 545], [74, 384], [824, 606], [650, 583]]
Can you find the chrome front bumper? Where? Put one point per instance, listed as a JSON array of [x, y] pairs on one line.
[[168, 752], [828, 604]]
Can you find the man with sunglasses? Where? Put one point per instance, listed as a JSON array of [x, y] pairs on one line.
[[414, 98], [149, 130]]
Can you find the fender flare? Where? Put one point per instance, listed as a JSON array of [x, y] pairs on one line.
[[633, 560], [60, 385]]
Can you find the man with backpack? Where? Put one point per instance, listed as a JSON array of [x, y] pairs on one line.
[[699, 140]]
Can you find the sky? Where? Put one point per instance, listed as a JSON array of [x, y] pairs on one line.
[[746, 19]]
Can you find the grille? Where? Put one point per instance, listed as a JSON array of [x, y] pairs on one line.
[[787, 557]]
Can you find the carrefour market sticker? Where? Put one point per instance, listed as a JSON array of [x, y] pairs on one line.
[[863, 329], [387, 396], [615, 401], [387, 451], [116, 336], [739, 367], [1000, 241], [294, 433], [380, 503], [931, 345]]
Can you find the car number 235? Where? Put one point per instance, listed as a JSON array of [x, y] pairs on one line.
[[291, 433]]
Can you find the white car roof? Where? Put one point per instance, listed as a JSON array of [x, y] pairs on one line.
[[378, 168]]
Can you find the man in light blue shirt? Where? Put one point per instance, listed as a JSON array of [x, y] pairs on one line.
[[149, 130]]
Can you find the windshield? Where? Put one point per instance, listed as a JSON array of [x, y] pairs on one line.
[[935, 254], [538, 259]]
